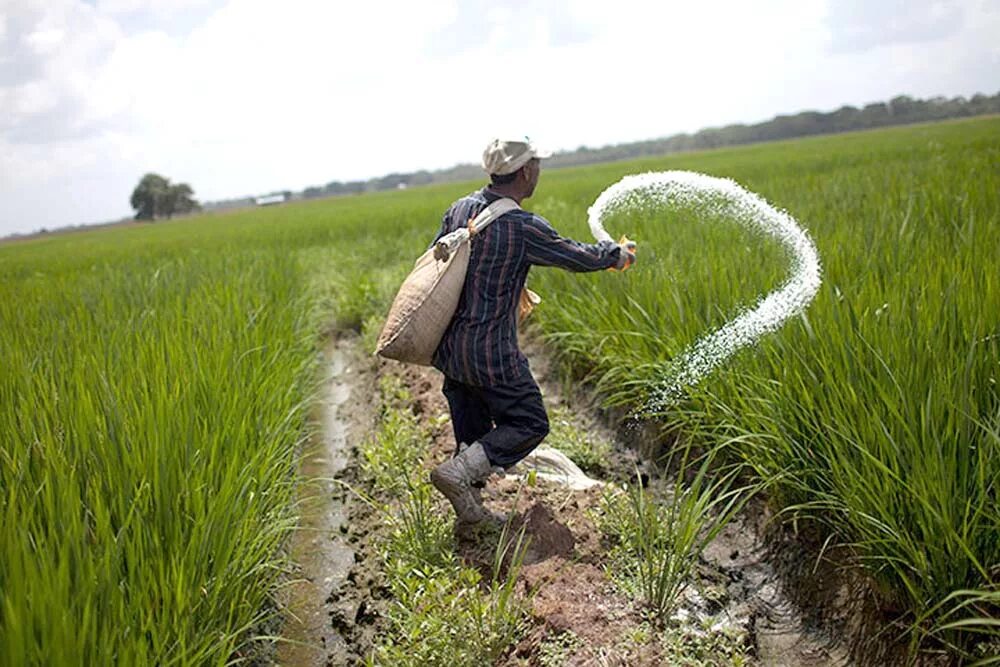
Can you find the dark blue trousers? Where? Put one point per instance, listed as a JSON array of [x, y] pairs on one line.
[[508, 420]]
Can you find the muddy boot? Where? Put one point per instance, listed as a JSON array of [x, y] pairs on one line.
[[496, 518], [454, 478]]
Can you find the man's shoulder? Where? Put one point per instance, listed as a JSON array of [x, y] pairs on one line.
[[529, 218], [476, 198]]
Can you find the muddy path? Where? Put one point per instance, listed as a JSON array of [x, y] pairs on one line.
[[320, 549], [750, 589]]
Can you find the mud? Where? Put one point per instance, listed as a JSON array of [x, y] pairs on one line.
[[319, 548], [754, 582]]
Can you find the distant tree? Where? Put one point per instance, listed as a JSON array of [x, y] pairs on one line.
[[149, 196], [180, 200], [156, 197]]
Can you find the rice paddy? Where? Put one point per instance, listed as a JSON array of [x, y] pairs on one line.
[[155, 381]]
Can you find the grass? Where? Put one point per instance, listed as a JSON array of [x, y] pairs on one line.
[[443, 612], [877, 411], [584, 449], [142, 501], [660, 534], [154, 382]]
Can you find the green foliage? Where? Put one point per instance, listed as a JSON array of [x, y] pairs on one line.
[[156, 197], [554, 651], [877, 412], [448, 616], [155, 386], [151, 409], [391, 457], [443, 613], [155, 380], [970, 625], [705, 647], [659, 536]]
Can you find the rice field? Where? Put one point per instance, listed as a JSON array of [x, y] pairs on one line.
[[155, 382]]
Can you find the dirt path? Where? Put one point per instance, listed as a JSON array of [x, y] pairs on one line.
[[578, 617], [739, 592]]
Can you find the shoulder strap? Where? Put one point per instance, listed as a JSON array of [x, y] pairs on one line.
[[491, 213]]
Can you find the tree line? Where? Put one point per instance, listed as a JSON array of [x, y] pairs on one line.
[[899, 110]]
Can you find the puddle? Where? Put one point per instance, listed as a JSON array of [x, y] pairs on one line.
[[319, 547], [758, 601]]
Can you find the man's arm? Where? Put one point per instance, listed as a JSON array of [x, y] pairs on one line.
[[545, 247]]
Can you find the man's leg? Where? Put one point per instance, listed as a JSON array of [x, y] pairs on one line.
[[470, 415], [461, 478], [520, 418]]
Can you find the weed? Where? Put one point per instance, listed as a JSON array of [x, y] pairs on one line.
[[707, 646], [443, 613], [554, 651], [659, 537]]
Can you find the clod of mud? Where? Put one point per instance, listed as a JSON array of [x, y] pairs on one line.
[[547, 537]]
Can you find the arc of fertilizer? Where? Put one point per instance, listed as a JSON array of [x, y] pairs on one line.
[[723, 197]]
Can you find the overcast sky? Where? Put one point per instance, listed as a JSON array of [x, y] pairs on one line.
[[241, 97]]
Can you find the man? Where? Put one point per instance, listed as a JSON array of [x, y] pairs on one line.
[[496, 406]]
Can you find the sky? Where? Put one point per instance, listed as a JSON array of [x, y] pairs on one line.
[[245, 97]]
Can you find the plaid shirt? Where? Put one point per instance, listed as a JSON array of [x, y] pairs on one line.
[[480, 345]]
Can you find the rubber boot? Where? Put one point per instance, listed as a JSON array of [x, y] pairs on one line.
[[478, 486], [454, 479]]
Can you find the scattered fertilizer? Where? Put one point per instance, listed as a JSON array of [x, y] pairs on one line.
[[717, 198]]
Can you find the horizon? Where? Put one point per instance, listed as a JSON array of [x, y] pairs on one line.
[[229, 203], [89, 85]]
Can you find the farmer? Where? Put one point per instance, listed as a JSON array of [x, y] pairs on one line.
[[496, 407]]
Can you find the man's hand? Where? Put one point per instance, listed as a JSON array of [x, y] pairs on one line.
[[626, 257]]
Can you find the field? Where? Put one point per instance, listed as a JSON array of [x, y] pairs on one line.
[[155, 383]]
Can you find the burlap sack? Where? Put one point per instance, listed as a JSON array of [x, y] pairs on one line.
[[426, 302], [423, 308]]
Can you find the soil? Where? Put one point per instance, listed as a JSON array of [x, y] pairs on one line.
[[756, 582]]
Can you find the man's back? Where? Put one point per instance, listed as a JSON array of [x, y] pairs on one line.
[[480, 345]]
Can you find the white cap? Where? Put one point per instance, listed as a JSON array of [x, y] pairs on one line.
[[505, 156]]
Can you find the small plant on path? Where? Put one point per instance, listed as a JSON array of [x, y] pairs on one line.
[[659, 536]]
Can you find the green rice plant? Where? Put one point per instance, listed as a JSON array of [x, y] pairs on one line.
[[659, 537], [155, 387], [876, 412], [970, 625], [155, 381], [142, 500], [421, 538]]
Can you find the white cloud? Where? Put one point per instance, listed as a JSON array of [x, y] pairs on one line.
[[858, 25], [160, 7], [43, 42]]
